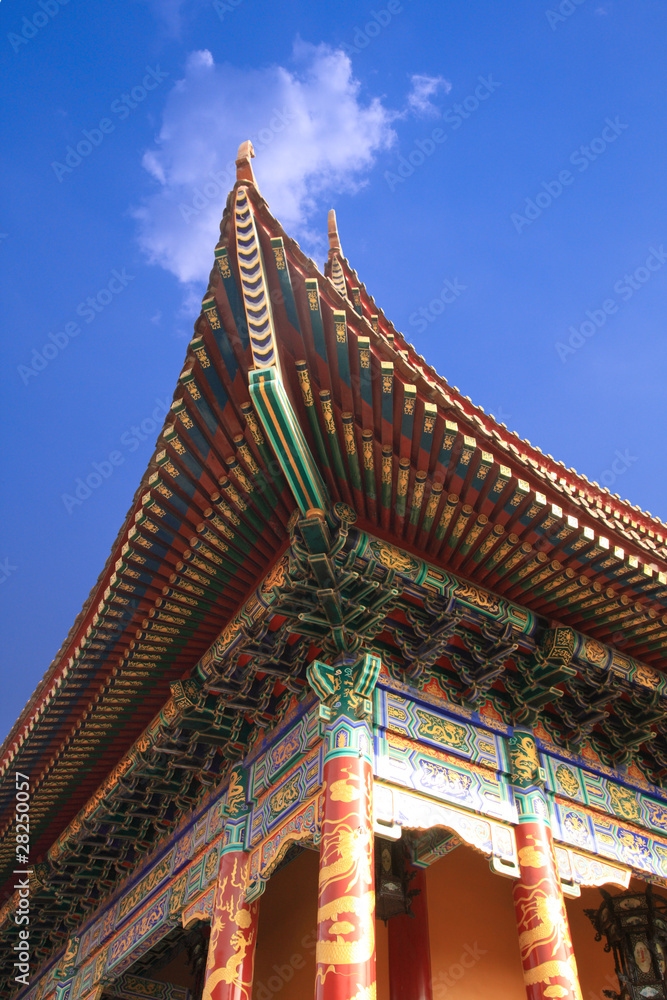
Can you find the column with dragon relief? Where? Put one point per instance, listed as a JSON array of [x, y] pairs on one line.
[[231, 951], [346, 901], [549, 965]]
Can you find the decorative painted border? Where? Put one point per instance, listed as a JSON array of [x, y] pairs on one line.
[[604, 794], [278, 802], [298, 740], [579, 869], [302, 827], [395, 807], [418, 721], [582, 827], [442, 776]]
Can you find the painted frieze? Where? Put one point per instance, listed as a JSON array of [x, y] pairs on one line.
[[443, 776], [577, 869], [424, 724], [280, 800], [607, 838], [276, 759], [130, 987], [158, 874], [200, 908], [600, 792]]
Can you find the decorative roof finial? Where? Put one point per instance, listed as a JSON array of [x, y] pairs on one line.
[[334, 238], [334, 269], [244, 170]]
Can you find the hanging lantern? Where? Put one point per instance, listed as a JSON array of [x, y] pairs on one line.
[[635, 926], [392, 896]]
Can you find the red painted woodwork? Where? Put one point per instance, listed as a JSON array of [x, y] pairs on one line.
[[409, 948], [549, 965], [346, 900], [231, 953]]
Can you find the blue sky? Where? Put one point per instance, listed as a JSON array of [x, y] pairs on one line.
[[498, 176]]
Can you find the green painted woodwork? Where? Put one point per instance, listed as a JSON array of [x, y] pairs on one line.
[[283, 431]]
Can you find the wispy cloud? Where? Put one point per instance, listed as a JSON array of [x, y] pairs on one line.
[[423, 88], [169, 14], [314, 133]]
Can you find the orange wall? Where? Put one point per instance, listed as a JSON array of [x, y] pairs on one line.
[[596, 967], [471, 923], [474, 947], [471, 915], [285, 959]]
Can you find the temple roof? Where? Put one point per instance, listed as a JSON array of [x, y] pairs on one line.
[[360, 419]]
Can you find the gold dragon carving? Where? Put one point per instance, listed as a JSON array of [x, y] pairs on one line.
[[543, 929], [231, 911], [347, 861]]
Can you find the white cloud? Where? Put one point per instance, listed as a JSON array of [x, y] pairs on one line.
[[423, 88], [313, 134]]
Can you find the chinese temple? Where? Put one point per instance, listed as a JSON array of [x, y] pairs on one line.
[[367, 702]]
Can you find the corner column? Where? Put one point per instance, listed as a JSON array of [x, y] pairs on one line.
[[549, 965], [231, 951], [346, 896]]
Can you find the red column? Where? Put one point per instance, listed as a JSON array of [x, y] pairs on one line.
[[549, 965], [346, 896], [409, 948], [231, 952], [346, 900]]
